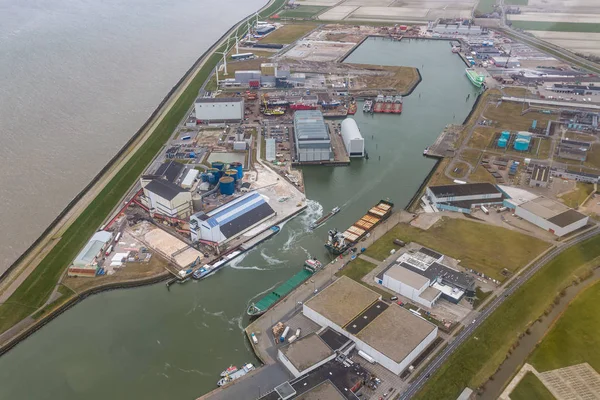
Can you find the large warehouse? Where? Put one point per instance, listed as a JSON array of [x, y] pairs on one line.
[[547, 214], [166, 198], [390, 334], [86, 262], [226, 109], [353, 140], [462, 198], [230, 220], [311, 137]]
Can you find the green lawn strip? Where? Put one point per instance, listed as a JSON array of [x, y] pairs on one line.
[[288, 33], [577, 197], [484, 248], [479, 357], [575, 338], [357, 269], [556, 26], [480, 297], [516, 2], [530, 388], [65, 294], [302, 12], [34, 291]]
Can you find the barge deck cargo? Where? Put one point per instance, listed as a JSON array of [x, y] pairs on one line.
[[338, 242]]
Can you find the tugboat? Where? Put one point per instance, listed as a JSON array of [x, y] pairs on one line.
[[368, 106], [379, 103], [352, 108], [324, 218], [397, 108]]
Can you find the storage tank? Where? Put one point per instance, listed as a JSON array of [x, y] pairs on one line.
[[502, 143], [239, 168], [197, 202], [524, 135], [505, 135], [521, 144], [213, 176], [232, 173], [218, 165], [226, 185], [204, 177]]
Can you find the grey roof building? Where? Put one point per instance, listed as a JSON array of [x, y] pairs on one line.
[[311, 137]]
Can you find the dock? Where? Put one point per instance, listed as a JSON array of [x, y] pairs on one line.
[[444, 146]]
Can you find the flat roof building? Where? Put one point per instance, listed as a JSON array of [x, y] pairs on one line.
[[312, 140], [546, 213], [540, 176], [222, 109], [390, 334], [409, 284], [86, 262], [231, 219], [462, 198], [305, 354]]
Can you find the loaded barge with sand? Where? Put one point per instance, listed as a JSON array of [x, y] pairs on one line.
[[338, 242]]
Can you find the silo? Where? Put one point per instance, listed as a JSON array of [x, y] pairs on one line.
[[204, 177], [502, 143], [239, 168], [197, 202], [226, 185], [218, 165], [521, 144], [232, 173]]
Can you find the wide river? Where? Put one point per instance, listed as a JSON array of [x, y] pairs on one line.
[[150, 343], [77, 79]]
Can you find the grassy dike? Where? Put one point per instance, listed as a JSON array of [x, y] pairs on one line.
[[479, 357], [38, 286]]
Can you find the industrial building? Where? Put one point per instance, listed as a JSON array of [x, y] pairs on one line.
[[165, 198], [86, 262], [270, 151], [312, 139], [454, 28], [391, 335], [548, 214], [540, 176], [305, 354], [462, 198], [189, 179], [169, 170], [579, 176], [231, 219], [226, 109], [353, 140], [574, 149], [422, 278]]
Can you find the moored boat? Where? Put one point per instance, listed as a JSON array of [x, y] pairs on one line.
[[324, 218], [476, 79], [228, 378]]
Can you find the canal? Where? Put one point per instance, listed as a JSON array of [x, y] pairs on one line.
[[153, 343]]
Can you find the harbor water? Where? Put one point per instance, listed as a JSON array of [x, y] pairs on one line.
[[157, 344]]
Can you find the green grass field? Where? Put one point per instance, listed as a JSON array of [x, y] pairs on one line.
[[34, 291], [302, 12], [530, 388], [356, 269], [516, 2], [556, 26], [288, 33], [577, 197], [484, 248], [574, 339], [478, 357], [485, 6]]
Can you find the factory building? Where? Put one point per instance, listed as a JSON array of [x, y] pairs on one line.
[[230, 220], [312, 139], [545, 213], [270, 151], [189, 179], [454, 28], [86, 262], [391, 335], [421, 277], [540, 176], [170, 171], [505, 62], [462, 198], [574, 149], [353, 140], [226, 109], [305, 354], [165, 198], [579, 176]]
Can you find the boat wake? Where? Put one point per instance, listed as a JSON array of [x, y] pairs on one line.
[[314, 211], [270, 260], [263, 292], [236, 263]]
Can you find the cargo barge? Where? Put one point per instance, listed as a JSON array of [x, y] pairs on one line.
[[324, 218], [260, 307], [338, 242]]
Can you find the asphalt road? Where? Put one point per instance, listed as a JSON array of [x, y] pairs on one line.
[[468, 331]]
